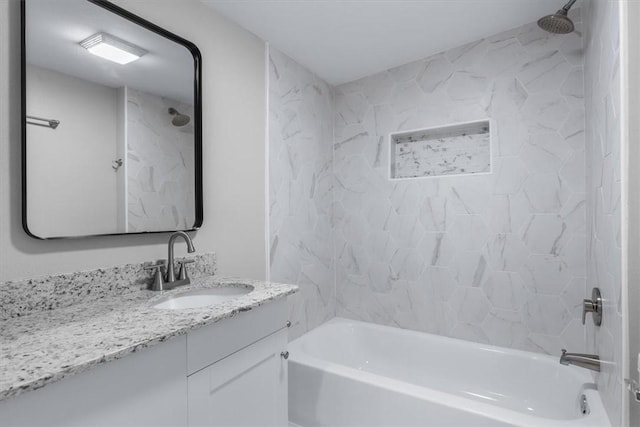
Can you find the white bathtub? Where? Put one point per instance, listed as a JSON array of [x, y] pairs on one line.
[[353, 373]]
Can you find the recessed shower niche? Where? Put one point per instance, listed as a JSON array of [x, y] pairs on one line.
[[456, 149]]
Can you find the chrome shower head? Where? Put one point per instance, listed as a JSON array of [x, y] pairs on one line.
[[178, 120], [559, 22]]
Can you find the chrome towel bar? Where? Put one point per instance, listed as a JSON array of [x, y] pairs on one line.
[[39, 121]]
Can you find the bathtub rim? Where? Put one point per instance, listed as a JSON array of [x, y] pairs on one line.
[[597, 416]]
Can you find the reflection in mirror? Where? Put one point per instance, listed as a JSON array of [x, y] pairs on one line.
[[112, 140]]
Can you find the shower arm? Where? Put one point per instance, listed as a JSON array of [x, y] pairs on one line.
[[567, 6]]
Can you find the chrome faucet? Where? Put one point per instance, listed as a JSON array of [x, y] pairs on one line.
[[588, 361], [171, 272], [169, 280]]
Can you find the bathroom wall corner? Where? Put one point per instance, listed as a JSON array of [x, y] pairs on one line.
[[300, 190]]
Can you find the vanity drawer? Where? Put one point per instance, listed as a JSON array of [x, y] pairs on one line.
[[209, 344]]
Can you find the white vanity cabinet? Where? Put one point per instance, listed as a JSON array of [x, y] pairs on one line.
[[229, 373], [237, 376], [247, 388], [141, 389]]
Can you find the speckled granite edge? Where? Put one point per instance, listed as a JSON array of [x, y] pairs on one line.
[[24, 297], [45, 347]]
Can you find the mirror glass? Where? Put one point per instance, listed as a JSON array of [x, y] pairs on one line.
[[111, 123]]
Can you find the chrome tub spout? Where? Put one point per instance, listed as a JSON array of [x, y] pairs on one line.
[[587, 361]]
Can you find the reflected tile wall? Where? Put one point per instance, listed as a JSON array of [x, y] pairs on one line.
[[497, 258], [300, 190], [602, 78], [160, 165]]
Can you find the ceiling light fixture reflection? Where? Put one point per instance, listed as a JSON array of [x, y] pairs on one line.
[[112, 48]]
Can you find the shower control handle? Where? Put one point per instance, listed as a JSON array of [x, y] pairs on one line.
[[594, 306]]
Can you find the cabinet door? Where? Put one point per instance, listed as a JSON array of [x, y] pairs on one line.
[[247, 388]]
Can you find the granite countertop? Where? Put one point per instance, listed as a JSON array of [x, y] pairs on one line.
[[46, 346]]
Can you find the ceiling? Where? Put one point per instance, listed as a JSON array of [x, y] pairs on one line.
[[55, 29], [343, 40]]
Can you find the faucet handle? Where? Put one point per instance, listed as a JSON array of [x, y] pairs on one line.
[[184, 274], [158, 283], [593, 305]]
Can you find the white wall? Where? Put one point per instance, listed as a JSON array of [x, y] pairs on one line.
[[234, 161], [630, 45], [121, 153], [72, 187], [604, 185]]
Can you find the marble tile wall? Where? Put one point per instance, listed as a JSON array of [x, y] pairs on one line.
[[496, 258], [603, 144], [159, 164], [300, 190]]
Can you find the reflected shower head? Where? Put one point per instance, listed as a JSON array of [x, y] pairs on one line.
[[178, 120], [559, 22]]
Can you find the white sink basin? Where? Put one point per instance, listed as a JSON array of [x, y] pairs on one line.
[[202, 297]]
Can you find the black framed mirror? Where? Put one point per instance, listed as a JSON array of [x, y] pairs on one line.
[[111, 123]]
